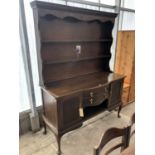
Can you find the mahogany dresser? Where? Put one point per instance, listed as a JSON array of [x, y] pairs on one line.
[[73, 51]]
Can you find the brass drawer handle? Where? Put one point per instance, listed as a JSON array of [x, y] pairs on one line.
[[91, 101]]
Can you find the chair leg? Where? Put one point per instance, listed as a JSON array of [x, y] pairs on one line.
[[119, 110], [126, 138]]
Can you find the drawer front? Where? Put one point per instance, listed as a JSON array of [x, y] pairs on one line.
[[95, 96]]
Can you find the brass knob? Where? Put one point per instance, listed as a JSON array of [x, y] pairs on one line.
[[91, 94]]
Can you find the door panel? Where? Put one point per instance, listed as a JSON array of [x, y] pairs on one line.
[[115, 92]]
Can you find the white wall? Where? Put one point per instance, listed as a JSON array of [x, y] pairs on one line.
[[24, 101], [127, 21], [128, 4], [23, 90]]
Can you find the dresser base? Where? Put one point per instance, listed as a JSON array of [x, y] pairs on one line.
[[58, 135]]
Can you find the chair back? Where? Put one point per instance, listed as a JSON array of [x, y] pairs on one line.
[[131, 124], [110, 134]]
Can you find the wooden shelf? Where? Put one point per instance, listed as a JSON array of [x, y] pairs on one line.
[[74, 60], [48, 82], [74, 41]]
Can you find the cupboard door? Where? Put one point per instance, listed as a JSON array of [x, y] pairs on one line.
[[115, 93], [70, 111]]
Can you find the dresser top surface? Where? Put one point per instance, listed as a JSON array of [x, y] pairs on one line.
[[78, 84]]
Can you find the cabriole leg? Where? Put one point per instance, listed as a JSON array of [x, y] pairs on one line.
[[45, 128], [59, 145]]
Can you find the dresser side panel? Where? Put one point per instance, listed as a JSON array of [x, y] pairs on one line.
[[50, 108]]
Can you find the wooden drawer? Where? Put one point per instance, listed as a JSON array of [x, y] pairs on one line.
[[95, 96], [125, 95]]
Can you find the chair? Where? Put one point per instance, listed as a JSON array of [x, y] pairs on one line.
[[113, 133], [131, 125]]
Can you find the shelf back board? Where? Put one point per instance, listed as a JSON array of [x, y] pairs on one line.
[[73, 41]]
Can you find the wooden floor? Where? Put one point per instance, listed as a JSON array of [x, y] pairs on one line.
[[77, 142]]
